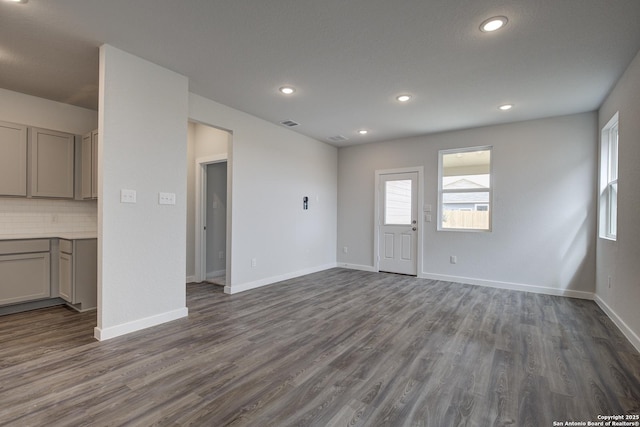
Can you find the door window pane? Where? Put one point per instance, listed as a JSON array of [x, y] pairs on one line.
[[397, 202]]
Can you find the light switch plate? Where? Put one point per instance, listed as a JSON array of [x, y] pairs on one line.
[[167, 198], [127, 196]]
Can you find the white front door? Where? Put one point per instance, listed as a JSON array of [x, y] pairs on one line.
[[398, 234]]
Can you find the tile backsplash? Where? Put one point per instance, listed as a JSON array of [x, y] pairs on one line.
[[43, 216]]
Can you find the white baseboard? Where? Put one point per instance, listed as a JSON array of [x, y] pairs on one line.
[[358, 267], [624, 328], [274, 279], [191, 279], [102, 334], [511, 286]]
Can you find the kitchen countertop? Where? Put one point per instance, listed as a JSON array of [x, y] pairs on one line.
[[52, 235]]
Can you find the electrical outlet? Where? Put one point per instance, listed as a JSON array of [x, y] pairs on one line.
[[609, 282], [254, 262], [453, 259], [345, 249], [221, 255]]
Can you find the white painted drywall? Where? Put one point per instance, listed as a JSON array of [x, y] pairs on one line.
[[203, 141], [620, 260], [543, 236], [29, 110], [143, 147], [272, 168]]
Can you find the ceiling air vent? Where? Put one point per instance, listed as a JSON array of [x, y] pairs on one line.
[[337, 138], [289, 123]]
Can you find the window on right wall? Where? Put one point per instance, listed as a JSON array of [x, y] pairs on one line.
[[608, 212], [464, 189]]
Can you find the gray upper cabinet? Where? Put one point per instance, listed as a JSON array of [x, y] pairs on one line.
[[51, 172], [89, 166], [13, 159]]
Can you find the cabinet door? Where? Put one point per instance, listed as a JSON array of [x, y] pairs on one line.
[[13, 159], [85, 273], [94, 164], [24, 277], [86, 166], [66, 277], [52, 163]]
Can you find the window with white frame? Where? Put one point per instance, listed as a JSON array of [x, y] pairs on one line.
[[464, 189], [608, 212]]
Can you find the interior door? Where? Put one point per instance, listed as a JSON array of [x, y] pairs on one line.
[[398, 234]]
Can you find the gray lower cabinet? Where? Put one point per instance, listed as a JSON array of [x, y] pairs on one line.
[[52, 163], [24, 270], [78, 272], [13, 159]]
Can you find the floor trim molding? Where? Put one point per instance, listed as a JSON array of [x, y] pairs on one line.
[[102, 334], [358, 267], [624, 328], [234, 289], [511, 286]]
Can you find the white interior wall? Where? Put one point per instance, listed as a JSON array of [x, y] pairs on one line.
[[203, 141], [619, 259], [543, 236], [272, 168], [143, 147]]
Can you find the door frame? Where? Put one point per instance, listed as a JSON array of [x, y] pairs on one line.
[[201, 215], [378, 217]]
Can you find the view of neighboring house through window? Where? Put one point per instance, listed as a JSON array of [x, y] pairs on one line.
[[609, 180], [465, 189]]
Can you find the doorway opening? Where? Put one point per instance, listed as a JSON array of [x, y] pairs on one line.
[[209, 225]]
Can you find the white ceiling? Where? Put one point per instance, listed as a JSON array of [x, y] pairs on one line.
[[348, 59]]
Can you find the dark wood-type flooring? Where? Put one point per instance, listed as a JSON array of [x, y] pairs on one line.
[[336, 348]]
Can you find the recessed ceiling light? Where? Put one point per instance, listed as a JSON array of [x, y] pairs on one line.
[[363, 131], [505, 107], [403, 98], [493, 24], [287, 90]]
